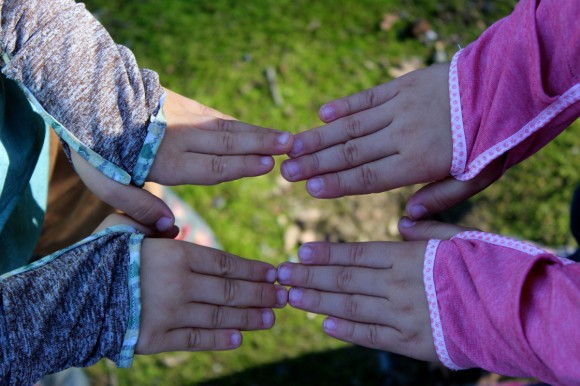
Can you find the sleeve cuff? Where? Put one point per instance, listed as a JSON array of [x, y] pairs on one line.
[[155, 133], [434, 315], [132, 334]]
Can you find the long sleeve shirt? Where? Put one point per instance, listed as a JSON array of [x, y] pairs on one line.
[[81, 303], [497, 303]]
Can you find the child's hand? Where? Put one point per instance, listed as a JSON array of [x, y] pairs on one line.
[[202, 146], [390, 136], [373, 293], [196, 298]]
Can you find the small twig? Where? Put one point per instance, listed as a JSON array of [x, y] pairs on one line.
[[274, 90]]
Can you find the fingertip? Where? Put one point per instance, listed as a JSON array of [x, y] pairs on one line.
[[290, 170], [315, 186], [305, 253], [327, 113], [297, 147], [236, 339], [416, 211], [329, 325], [268, 318], [267, 162], [406, 222], [271, 275], [281, 296], [165, 224]]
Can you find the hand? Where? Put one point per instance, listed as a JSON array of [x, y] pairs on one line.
[[202, 146], [372, 292], [393, 135], [195, 298], [152, 216]]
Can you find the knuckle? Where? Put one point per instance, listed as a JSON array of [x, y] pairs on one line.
[[352, 127], [264, 295], [351, 307], [217, 317], [224, 125], [356, 252], [317, 139], [367, 176], [226, 265], [410, 336], [315, 162], [218, 167], [350, 153], [227, 142], [344, 279], [373, 335], [369, 97], [229, 291], [349, 105], [193, 339]]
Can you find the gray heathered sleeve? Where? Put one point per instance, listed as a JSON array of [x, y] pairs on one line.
[[92, 86], [70, 311]]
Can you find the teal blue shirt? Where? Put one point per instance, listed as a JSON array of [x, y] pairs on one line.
[[24, 144]]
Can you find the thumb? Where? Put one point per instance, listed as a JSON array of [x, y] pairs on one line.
[[137, 203], [441, 195], [428, 229]]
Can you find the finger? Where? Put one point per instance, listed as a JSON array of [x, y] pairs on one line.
[[357, 102], [442, 195], [341, 130], [137, 203], [204, 169], [191, 339], [376, 254], [122, 219], [373, 177], [387, 338], [359, 308], [230, 292], [235, 138], [427, 230], [350, 280], [343, 156], [209, 261], [218, 317]]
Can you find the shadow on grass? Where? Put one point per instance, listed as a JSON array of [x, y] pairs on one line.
[[352, 366]]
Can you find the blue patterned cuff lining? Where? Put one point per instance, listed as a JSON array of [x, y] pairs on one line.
[[132, 333], [155, 133]]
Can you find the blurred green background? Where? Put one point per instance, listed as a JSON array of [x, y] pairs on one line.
[[218, 52]]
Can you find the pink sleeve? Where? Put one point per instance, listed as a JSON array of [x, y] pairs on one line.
[[516, 87], [505, 306]]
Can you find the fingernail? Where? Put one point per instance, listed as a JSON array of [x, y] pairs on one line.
[[291, 168], [266, 161], [327, 113], [267, 318], [281, 296], [284, 273], [296, 295], [271, 275], [417, 211], [406, 222], [329, 325], [164, 224], [298, 146], [283, 138], [236, 339], [315, 185], [305, 254]]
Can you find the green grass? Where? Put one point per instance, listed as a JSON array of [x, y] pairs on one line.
[[217, 52]]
